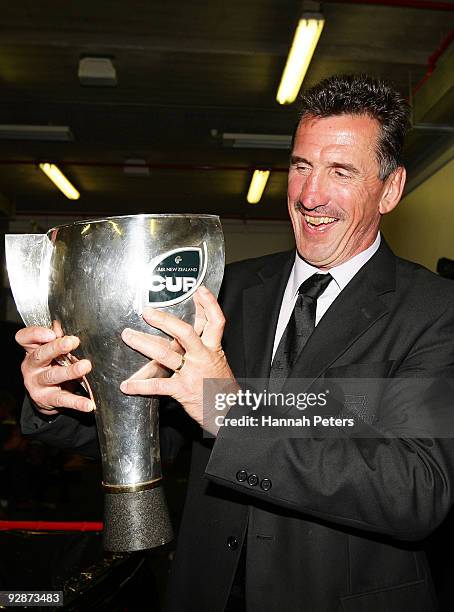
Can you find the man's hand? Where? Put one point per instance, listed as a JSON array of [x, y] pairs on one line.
[[47, 382], [194, 354]]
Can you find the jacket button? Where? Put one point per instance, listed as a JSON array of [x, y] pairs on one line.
[[253, 480], [232, 542], [266, 484], [241, 476]]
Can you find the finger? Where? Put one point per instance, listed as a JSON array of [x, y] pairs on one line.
[[57, 328], [166, 342], [172, 326], [59, 398], [46, 353], [214, 328], [152, 369], [176, 346], [150, 346], [32, 337], [153, 386], [59, 374], [200, 317]]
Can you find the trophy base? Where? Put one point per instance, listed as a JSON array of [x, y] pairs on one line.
[[136, 521]]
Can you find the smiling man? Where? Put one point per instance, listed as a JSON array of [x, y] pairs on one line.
[[313, 522], [337, 191]]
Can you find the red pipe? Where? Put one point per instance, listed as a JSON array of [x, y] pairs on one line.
[[432, 61], [50, 526]]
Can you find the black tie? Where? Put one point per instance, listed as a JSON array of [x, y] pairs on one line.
[[300, 326]]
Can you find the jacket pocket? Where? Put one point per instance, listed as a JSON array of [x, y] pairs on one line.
[[414, 596], [358, 389]]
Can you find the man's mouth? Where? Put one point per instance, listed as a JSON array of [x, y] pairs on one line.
[[319, 221]]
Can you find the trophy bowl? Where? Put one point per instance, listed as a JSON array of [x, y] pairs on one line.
[[92, 279]]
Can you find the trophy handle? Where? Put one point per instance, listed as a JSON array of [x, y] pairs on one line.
[[28, 262], [28, 258]]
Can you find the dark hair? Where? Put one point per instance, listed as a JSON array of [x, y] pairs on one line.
[[360, 94]]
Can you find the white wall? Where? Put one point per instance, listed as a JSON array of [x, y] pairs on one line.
[[244, 239]]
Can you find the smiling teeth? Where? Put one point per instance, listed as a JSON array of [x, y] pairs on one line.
[[319, 220]]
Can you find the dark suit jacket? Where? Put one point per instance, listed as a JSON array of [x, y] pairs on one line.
[[340, 526]]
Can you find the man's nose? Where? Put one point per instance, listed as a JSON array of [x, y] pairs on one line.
[[313, 191]]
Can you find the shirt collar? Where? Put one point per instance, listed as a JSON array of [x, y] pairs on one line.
[[342, 274]]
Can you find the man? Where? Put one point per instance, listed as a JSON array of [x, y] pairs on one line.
[[315, 523]]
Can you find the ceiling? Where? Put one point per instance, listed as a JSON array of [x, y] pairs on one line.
[[188, 71]]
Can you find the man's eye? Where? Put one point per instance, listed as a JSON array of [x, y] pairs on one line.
[[341, 174], [303, 168]]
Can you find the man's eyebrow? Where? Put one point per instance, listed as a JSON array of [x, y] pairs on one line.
[[296, 159], [349, 167]]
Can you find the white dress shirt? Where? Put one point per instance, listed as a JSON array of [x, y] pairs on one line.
[[301, 271]]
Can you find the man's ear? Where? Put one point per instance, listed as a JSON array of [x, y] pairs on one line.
[[392, 192]]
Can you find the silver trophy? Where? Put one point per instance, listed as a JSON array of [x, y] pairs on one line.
[[92, 279]]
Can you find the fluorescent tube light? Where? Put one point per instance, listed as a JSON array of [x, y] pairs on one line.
[[257, 141], [306, 37], [258, 183], [36, 132], [60, 180]]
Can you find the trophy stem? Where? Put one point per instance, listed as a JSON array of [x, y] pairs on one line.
[[136, 520]]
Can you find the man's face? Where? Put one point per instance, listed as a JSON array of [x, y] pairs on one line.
[[334, 192]]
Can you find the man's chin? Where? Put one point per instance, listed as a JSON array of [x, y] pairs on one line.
[[318, 257]]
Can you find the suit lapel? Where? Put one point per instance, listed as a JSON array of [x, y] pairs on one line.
[[352, 313], [261, 306]]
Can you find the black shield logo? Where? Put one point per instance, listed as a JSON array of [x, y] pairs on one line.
[[175, 275]]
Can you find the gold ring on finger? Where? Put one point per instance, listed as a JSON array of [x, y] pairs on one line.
[[181, 363]]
